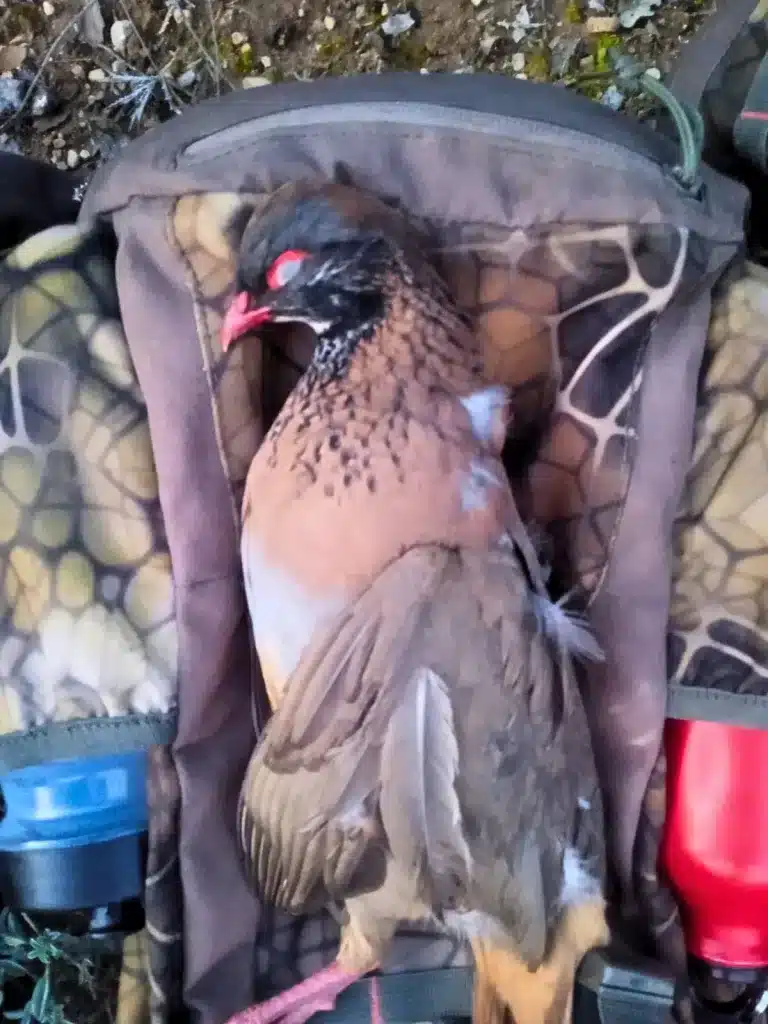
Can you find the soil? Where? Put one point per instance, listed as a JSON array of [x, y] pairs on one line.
[[93, 73]]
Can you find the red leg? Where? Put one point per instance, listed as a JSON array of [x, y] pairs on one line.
[[376, 1014], [314, 995]]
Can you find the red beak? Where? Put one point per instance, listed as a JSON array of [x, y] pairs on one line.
[[240, 319]]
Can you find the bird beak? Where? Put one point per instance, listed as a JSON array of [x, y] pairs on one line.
[[240, 319]]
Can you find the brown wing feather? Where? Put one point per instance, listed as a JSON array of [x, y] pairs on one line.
[[528, 784], [435, 719], [308, 805]]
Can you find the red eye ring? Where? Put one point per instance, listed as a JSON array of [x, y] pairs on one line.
[[276, 276]]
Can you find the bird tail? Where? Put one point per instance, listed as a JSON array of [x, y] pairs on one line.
[[506, 990]]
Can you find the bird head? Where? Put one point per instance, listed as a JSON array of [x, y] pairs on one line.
[[321, 254]]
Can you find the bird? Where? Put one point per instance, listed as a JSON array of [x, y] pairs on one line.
[[428, 756]]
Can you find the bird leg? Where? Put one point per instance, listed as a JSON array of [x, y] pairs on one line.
[[316, 994], [503, 982]]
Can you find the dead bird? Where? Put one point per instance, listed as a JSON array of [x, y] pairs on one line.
[[428, 756]]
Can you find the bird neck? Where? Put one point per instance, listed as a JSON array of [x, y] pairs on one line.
[[416, 333]]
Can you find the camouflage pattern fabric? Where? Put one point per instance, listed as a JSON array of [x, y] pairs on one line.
[[86, 595]]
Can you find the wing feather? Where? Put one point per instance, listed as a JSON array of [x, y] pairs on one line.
[[438, 719]]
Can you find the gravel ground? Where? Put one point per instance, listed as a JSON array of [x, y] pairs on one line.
[[89, 74]]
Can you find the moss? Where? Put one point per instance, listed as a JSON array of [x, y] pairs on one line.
[[244, 60], [334, 52], [333, 46], [227, 53], [538, 65], [603, 43], [237, 59], [592, 90], [573, 12], [408, 54]]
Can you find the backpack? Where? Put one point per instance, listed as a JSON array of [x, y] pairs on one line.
[[594, 305]]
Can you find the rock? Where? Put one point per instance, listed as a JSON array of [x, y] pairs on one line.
[[48, 9], [91, 23], [84, 154], [14, 94], [58, 142], [78, 71], [596, 26], [398, 24], [633, 11], [238, 38], [521, 24], [613, 98], [97, 75], [265, 61], [564, 51], [9, 145], [254, 82], [518, 62], [43, 102], [330, 22], [12, 57], [120, 33], [72, 159]]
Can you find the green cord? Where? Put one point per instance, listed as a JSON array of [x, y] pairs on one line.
[[688, 120]]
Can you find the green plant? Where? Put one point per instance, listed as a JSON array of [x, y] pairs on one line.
[[38, 957]]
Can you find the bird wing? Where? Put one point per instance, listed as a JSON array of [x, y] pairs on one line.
[[528, 788], [435, 720], [308, 808]]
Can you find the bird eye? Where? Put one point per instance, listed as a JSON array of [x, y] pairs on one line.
[[285, 267]]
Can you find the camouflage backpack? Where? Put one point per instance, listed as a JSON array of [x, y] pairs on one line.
[[121, 471]]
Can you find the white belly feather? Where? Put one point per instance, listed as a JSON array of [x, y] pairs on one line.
[[284, 617]]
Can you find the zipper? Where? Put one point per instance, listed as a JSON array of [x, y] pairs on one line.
[[418, 115]]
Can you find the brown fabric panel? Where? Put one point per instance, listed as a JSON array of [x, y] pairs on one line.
[[631, 609], [215, 733]]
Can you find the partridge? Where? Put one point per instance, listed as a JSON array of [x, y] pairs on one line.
[[428, 757]]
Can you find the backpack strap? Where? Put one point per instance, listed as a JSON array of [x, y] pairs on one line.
[[702, 55], [750, 132]]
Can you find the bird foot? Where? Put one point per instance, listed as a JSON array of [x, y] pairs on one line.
[[316, 994]]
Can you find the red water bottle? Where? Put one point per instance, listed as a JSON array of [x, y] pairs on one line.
[[715, 854]]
